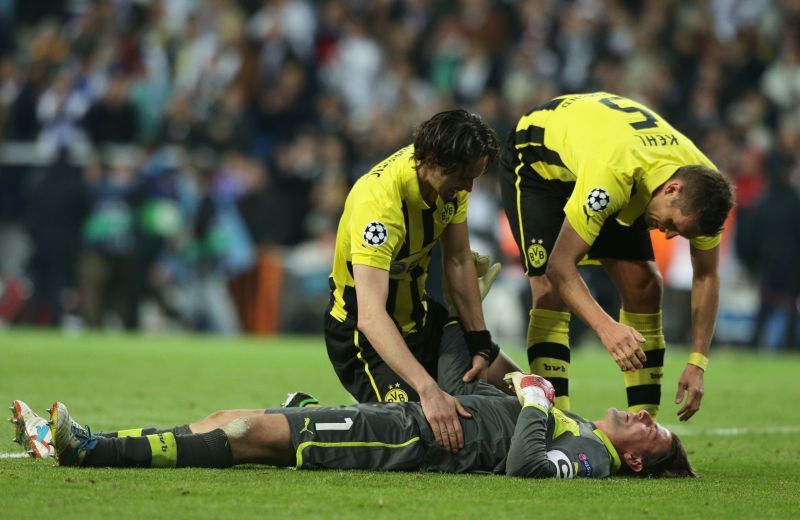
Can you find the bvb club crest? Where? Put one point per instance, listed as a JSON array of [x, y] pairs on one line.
[[537, 254], [448, 211], [396, 394]]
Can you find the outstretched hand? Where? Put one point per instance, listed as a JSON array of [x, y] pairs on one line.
[[623, 343], [690, 386], [442, 411]]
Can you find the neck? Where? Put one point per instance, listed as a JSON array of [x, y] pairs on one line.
[[426, 190]]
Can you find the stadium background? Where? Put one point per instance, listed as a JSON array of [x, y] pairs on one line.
[[181, 165]]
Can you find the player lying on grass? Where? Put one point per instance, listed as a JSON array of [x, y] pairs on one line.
[[531, 440]]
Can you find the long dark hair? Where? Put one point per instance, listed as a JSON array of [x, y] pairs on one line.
[[673, 464], [454, 140]]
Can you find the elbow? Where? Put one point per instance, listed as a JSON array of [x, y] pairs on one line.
[[367, 321], [525, 470], [554, 273]]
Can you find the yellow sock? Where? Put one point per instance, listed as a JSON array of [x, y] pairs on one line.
[[643, 386], [164, 450], [548, 350]]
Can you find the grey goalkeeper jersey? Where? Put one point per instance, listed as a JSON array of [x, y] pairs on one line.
[[501, 437]]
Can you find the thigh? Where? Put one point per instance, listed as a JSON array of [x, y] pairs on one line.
[[364, 436], [365, 374], [639, 284], [534, 207]]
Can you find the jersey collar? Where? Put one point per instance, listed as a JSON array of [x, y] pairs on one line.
[[612, 451], [411, 183], [652, 180]]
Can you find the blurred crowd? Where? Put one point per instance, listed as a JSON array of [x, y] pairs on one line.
[[171, 141]]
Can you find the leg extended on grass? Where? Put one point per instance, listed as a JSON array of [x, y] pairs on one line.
[[244, 438]]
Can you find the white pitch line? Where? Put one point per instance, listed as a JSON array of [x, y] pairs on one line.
[[14, 455], [728, 432]]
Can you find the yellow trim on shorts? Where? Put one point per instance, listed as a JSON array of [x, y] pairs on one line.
[[374, 444], [366, 365], [523, 251]]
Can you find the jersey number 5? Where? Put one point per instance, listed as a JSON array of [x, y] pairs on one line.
[[649, 118]]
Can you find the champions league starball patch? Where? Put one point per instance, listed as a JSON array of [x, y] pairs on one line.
[[598, 199], [375, 234]]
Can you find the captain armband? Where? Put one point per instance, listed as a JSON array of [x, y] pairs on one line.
[[699, 360], [479, 343]]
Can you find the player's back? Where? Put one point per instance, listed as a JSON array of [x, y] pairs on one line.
[[578, 134]]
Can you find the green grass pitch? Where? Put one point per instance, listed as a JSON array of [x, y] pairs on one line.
[[745, 441]]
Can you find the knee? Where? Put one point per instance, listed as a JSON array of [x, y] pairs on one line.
[[545, 295], [645, 293], [219, 417]]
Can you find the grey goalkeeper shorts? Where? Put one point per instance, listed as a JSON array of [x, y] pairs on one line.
[[377, 436]]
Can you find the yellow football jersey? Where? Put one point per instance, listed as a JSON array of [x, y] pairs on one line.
[[387, 224], [617, 152]]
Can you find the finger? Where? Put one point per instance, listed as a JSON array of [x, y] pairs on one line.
[[624, 364], [641, 355], [459, 434], [680, 393], [633, 359], [689, 406], [492, 273], [437, 433], [445, 435], [472, 373], [462, 411]]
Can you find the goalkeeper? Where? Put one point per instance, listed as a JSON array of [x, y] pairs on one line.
[[521, 436]]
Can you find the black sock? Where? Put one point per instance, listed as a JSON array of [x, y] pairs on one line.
[[204, 450], [162, 450]]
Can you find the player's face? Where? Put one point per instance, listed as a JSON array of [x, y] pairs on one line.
[[664, 215], [638, 433], [448, 185]]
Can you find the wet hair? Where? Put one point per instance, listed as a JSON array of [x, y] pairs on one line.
[[708, 196], [673, 464], [454, 140]]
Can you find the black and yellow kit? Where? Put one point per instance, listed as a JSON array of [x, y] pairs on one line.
[[595, 159], [500, 437], [386, 224]]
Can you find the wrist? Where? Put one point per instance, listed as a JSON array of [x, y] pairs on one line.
[[699, 360], [428, 390], [479, 343], [536, 397]]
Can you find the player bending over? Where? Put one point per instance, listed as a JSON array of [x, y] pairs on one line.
[[524, 436]]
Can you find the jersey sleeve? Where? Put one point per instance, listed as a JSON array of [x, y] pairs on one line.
[[528, 455], [461, 211], [705, 243], [376, 232], [597, 196]]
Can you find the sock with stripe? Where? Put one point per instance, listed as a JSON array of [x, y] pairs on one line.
[[138, 432], [643, 386], [162, 450], [548, 350]]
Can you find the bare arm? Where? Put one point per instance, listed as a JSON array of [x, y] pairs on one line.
[[441, 409], [621, 341], [459, 269], [462, 283], [705, 302]]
